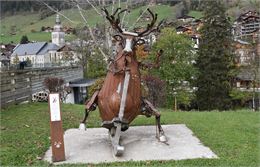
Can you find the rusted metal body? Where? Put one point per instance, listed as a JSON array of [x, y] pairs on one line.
[[109, 97]]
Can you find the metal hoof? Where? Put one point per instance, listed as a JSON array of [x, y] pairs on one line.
[[112, 131], [118, 150], [162, 138], [82, 126]]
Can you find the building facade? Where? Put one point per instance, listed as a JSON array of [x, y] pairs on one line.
[[247, 24], [40, 54]]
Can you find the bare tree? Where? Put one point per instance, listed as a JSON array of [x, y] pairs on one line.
[[85, 48]]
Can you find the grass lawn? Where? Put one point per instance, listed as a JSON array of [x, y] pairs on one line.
[[233, 135], [33, 36], [196, 14]]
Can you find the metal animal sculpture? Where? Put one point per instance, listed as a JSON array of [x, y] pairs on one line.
[[120, 100]]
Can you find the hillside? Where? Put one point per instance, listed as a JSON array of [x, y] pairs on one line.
[[30, 24], [14, 27]]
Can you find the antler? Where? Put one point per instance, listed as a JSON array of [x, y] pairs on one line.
[[114, 21], [149, 27]]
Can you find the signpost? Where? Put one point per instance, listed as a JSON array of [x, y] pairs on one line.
[[57, 141]]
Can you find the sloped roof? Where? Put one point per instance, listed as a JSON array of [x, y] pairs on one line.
[[28, 49], [185, 17], [64, 48], [82, 82], [246, 74], [37, 48], [247, 15], [182, 28], [242, 42], [48, 47]]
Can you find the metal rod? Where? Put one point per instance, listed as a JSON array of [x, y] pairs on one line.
[[124, 94]]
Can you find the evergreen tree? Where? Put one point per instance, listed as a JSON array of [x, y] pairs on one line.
[[24, 39], [28, 61], [16, 60], [215, 59]]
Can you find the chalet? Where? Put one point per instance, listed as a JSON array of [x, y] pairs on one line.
[[4, 61], [191, 32], [183, 29], [245, 79], [244, 52], [246, 24], [186, 18], [6, 51], [248, 73], [47, 29], [68, 30], [195, 38], [66, 55]]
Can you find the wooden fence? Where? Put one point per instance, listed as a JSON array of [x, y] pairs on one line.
[[18, 85]]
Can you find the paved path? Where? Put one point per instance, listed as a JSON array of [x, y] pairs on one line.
[[94, 146]]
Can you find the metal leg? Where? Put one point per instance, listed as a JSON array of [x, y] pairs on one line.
[[149, 110], [86, 116], [115, 139], [82, 125], [90, 106], [159, 132], [115, 134]]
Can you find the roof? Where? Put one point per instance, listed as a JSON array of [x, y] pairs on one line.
[[4, 58], [37, 48], [7, 47], [64, 48], [185, 17], [82, 82], [182, 28], [242, 42], [48, 47], [245, 74], [247, 15]]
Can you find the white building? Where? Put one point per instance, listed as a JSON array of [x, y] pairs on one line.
[[41, 54], [58, 36]]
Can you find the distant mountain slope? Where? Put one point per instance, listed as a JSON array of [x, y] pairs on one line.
[[13, 27]]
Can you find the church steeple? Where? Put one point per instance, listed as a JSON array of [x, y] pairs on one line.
[[57, 34], [57, 19]]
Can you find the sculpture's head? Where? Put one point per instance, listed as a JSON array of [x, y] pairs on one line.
[[128, 40]]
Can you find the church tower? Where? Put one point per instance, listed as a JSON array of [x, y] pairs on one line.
[[57, 34]]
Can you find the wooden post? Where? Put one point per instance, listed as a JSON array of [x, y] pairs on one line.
[[175, 103], [57, 141]]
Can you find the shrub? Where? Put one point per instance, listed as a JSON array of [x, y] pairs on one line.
[[96, 86], [53, 84], [156, 90]]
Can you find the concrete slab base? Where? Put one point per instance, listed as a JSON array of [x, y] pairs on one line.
[[94, 146]]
